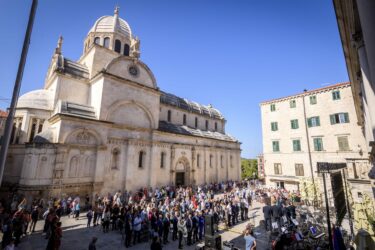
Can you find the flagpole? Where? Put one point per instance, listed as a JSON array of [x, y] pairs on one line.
[[16, 90]]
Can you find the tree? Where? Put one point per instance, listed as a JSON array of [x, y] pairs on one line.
[[248, 168]]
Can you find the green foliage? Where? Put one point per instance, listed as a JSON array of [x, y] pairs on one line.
[[248, 168]]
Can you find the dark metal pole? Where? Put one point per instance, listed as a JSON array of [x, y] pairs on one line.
[[348, 207], [16, 90], [327, 210], [309, 149]]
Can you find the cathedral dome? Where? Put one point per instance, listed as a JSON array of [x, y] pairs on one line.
[[114, 23], [37, 99]]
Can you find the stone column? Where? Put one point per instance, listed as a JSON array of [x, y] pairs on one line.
[[227, 166], [123, 164], [172, 170], [367, 88], [126, 163], [193, 166], [366, 10], [150, 166], [205, 165]]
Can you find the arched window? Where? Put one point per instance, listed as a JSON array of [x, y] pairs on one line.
[[115, 158], [97, 40], [106, 42], [118, 46], [169, 116], [141, 159], [215, 126], [198, 160], [184, 120], [211, 158], [162, 160], [206, 124], [196, 122], [126, 49]]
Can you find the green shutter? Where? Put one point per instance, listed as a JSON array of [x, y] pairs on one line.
[[309, 124], [346, 115], [318, 121], [296, 145], [296, 124], [332, 118]]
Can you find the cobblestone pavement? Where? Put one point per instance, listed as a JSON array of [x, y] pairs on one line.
[[76, 236]]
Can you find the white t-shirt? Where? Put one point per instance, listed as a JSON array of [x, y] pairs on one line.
[[137, 225]]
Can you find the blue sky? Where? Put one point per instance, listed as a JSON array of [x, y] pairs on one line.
[[231, 54]]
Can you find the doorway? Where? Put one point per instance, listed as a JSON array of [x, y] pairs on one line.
[[180, 179], [280, 184]]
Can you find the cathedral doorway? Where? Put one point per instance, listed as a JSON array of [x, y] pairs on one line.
[[180, 179], [182, 172]]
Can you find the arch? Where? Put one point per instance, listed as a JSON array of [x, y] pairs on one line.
[[89, 166], [137, 62], [141, 159], [97, 40], [83, 136], [73, 166], [118, 46], [115, 158], [162, 159], [182, 161], [181, 174], [126, 49], [169, 118], [106, 42], [117, 104]]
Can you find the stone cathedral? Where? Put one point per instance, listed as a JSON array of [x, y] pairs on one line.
[[101, 124]]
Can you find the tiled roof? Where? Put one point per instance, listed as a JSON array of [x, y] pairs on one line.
[[184, 130], [314, 91], [173, 100], [3, 113]]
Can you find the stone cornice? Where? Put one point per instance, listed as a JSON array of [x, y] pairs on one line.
[[308, 93], [59, 117], [129, 82]]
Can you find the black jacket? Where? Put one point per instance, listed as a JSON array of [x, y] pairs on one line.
[[267, 211], [276, 211]]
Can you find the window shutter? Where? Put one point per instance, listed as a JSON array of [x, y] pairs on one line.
[[346, 115], [317, 121], [316, 146], [340, 141], [332, 118], [309, 124], [296, 124]]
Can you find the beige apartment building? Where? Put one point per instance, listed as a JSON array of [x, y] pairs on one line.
[[314, 126]]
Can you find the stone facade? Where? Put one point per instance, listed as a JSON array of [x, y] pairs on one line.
[[315, 126], [3, 118], [101, 124]]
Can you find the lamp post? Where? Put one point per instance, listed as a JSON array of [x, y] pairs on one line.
[[16, 90]]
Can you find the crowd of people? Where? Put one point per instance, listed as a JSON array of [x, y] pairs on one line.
[[163, 214]]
